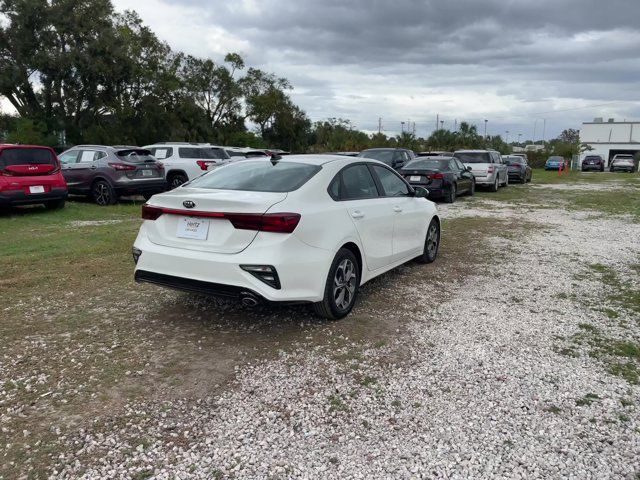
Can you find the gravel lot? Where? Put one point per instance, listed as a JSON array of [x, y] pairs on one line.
[[495, 375]]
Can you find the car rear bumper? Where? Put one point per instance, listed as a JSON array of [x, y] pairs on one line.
[[140, 186], [302, 269], [592, 167], [20, 197]]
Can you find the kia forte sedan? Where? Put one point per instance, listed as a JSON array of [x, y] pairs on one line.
[[296, 229]]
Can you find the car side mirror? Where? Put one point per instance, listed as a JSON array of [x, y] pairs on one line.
[[469, 169], [420, 192]]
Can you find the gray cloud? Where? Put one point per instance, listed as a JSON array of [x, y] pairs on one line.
[[507, 60]]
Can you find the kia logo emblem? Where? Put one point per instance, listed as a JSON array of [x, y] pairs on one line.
[[33, 168], [188, 204]]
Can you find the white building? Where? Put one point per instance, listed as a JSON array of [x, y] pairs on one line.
[[610, 138]]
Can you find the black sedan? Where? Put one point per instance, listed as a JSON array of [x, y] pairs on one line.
[[444, 177], [518, 168]]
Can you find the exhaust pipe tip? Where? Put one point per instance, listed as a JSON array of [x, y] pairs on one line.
[[249, 300]]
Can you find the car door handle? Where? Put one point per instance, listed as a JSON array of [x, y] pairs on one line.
[[93, 167], [397, 209], [357, 214]]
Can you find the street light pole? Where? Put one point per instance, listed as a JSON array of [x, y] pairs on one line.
[[485, 128], [507, 137], [402, 127]]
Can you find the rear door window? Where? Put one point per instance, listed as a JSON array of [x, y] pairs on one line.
[[161, 153], [357, 183], [392, 184], [26, 156], [88, 156]]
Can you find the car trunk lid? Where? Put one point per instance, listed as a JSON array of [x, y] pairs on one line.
[[184, 228]]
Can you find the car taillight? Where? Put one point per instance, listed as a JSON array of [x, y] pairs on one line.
[[151, 213], [435, 176], [268, 222], [489, 169], [204, 165], [121, 166]]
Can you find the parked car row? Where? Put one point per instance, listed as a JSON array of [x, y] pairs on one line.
[[35, 175]]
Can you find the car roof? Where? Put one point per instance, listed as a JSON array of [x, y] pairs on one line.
[[314, 159], [479, 150], [19, 145], [385, 148]]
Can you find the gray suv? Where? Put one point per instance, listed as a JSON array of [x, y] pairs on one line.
[[105, 173]]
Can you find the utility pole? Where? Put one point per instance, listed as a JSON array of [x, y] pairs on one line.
[[485, 128], [544, 128], [401, 127], [535, 125], [379, 125], [437, 120], [507, 137]]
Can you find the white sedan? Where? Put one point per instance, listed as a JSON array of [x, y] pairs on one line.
[[296, 229]]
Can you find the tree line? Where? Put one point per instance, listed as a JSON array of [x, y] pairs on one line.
[[76, 71]]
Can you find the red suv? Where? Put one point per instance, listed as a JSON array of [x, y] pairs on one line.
[[31, 175]]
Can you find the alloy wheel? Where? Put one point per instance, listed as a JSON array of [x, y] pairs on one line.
[[432, 240], [344, 284], [102, 194]]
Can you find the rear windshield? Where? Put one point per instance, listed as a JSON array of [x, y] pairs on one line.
[[427, 164], [202, 153], [592, 157], [473, 157], [253, 176], [513, 160], [555, 159], [385, 156], [26, 156], [135, 155], [255, 153], [624, 157]]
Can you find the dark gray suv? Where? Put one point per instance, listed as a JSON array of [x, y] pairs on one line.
[[105, 173]]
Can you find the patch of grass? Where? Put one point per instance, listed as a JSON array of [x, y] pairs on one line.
[[552, 409], [627, 402], [336, 404], [588, 399], [588, 327], [367, 381], [627, 370], [396, 403]]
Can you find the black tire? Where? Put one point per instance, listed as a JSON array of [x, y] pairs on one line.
[[472, 188], [451, 196], [495, 186], [339, 294], [54, 204], [177, 179], [506, 181], [431, 243], [103, 193]]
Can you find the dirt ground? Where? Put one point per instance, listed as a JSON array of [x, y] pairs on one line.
[[82, 342]]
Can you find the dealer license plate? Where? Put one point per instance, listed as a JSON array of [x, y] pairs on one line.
[[414, 178], [193, 227], [36, 189]]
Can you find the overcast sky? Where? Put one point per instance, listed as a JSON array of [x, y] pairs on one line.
[[516, 63]]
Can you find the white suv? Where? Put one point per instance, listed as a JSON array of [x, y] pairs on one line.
[[186, 161]]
